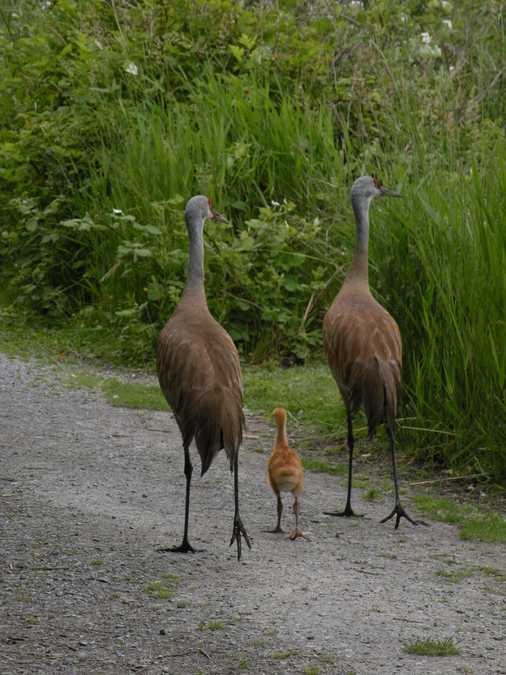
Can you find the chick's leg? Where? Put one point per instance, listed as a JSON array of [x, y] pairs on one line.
[[280, 512], [297, 532]]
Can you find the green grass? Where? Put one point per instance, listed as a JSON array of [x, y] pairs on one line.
[[442, 508], [243, 665], [372, 495], [286, 655], [217, 625], [165, 589], [430, 647], [311, 670], [490, 527], [31, 622], [320, 466], [134, 395], [454, 577], [96, 563], [308, 393], [492, 572], [483, 525]]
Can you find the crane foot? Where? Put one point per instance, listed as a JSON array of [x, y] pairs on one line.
[[347, 513], [276, 530], [400, 513], [185, 547], [239, 530], [296, 534]]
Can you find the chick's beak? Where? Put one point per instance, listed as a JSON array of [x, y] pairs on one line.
[[217, 216], [385, 192]]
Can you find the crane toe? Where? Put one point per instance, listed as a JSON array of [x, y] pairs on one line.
[[399, 512], [347, 513], [185, 547], [239, 530], [276, 530]]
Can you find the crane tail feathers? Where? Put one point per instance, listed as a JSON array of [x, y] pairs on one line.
[[381, 395], [220, 423]]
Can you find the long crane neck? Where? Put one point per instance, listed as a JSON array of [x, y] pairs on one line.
[[195, 278], [359, 268]]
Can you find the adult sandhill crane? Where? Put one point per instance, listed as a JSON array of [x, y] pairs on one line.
[[285, 473], [199, 373], [363, 344]]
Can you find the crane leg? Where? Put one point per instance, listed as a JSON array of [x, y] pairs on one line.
[[398, 511], [348, 511], [239, 528], [297, 532], [185, 546], [280, 512]]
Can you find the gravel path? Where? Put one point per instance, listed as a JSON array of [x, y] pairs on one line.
[[88, 493]]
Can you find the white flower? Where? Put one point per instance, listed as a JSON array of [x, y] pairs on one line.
[[117, 212], [426, 38], [274, 203], [447, 23], [452, 69], [132, 68]]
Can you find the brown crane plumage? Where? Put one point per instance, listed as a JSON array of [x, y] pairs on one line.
[[363, 345], [284, 469], [199, 372]]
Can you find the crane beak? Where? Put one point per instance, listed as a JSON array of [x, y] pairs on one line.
[[385, 192], [217, 216]]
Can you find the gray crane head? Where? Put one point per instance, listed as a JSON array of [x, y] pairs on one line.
[[198, 209], [367, 188]]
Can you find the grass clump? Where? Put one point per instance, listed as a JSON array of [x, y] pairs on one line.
[[31, 622], [243, 665], [165, 589], [311, 670], [96, 563], [372, 495], [22, 595], [217, 625], [430, 647], [286, 655], [454, 577], [492, 572]]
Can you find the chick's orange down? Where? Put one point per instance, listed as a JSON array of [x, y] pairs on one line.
[[285, 473]]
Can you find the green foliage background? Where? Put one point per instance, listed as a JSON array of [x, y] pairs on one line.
[[114, 113]]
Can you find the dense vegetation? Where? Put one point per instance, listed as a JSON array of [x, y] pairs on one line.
[[115, 113]]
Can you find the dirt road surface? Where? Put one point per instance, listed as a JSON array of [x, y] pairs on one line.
[[89, 491]]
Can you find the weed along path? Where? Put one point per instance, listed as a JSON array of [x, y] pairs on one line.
[[88, 493]]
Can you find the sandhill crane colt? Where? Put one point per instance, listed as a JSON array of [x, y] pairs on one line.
[[363, 344], [199, 373], [285, 473]]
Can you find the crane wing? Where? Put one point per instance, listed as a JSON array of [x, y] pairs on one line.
[[200, 376], [363, 347]]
